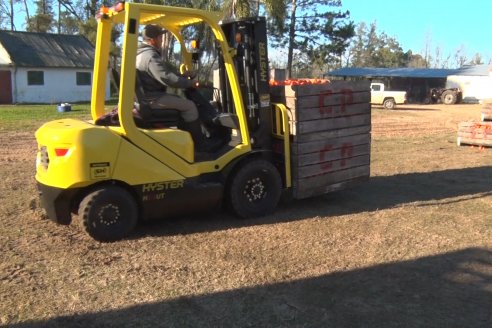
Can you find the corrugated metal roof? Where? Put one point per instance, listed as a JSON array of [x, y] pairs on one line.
[[480, 70], [393, 72], [29, 49], [475, 70]]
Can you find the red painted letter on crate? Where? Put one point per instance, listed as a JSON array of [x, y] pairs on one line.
[[324, 110], [325, 166], [346, 152], [347, 99]]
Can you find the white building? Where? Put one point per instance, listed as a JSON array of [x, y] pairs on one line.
[[474, 81], [45, 68]]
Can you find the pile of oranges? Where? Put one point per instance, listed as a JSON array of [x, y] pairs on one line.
[[298, 82], [486, 128]]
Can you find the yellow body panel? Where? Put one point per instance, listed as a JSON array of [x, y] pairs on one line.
[[174, 139], [101, 61], [282, 131], [98, 153], [92, 151], [134, 167]]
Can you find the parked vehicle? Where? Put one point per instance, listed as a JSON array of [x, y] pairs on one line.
[[446, 96], [389, 99]]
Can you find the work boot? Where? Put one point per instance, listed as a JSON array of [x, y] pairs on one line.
[[202, 144]]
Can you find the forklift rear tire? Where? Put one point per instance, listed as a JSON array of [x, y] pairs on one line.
[[255, 189], [109, 213]]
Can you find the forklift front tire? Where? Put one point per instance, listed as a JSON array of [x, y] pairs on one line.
[[255, 189], [109, 213]]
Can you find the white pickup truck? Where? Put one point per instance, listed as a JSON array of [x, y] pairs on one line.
[[389, 99]]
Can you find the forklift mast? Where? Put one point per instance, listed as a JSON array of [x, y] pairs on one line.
[[247, 37]]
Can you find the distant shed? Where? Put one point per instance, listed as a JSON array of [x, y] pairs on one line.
[[45, 68], [475, 81]]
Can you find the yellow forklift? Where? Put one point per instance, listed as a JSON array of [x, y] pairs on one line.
[[113, 176], [139, 165]]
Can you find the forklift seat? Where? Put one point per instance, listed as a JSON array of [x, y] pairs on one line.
[[154, 118], [147, 118]]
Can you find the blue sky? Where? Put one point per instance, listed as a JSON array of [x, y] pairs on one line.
[[448, 25]]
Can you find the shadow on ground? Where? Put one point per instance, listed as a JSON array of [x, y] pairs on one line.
[[379, 193], [447, 290], [420, 108]]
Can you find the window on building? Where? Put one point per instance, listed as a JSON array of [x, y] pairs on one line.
[[35, 78], [83, 78]]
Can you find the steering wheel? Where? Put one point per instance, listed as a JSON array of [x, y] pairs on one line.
[[186, 71]]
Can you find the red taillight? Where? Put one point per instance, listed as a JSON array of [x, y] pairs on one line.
[[61, 151]]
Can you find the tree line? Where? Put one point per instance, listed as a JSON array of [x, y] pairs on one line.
[[372, 49], [315, 35]]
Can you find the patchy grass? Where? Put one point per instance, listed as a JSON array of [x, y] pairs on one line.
[[29, 117], [410, 248]]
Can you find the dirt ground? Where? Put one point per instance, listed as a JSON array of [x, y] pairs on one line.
[[410, 248]]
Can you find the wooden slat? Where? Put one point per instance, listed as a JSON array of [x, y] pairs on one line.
[[326, 112], [314, 89], [330, 124], [477, 127], [475, 124], [328, 155], [319, 190], [323, 183], [473, 141], [331, 167], [466, 124], [325, 102], [475, 135], [486, 114], [324, 145], [335, 133]]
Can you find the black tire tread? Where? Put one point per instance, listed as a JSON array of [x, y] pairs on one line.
[[445, 95], [387, 101], [236, 201], [129, 209]]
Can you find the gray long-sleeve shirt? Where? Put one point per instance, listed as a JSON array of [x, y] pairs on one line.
[[154, 76]]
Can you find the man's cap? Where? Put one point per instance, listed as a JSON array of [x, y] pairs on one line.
[[152, 31]]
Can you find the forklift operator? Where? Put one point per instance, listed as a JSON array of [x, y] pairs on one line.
[[156, 77]]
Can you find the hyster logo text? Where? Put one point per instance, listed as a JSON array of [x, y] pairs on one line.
[[165, 185], [262, 49]]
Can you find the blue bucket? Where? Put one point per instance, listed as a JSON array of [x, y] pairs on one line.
[[62, 108]]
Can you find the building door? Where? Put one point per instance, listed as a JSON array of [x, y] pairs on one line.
[[5, 87]]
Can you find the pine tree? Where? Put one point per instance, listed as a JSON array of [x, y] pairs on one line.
[[312, 35], [43, 21]]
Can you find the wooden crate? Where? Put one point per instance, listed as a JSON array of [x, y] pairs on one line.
[[475, 133], [330, 135], [486, 113]]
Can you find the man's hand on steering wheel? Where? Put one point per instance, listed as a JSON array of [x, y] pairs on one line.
[[186, 72], [189, 74]]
